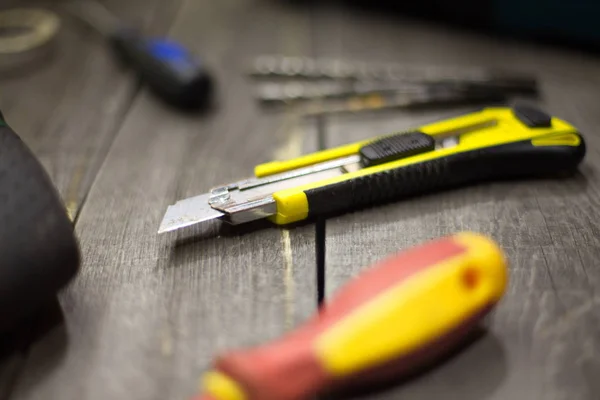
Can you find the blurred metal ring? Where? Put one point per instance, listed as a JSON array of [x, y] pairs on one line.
[[26, 37], [28, 29]]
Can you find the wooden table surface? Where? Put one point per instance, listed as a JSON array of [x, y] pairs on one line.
[[147, 313]]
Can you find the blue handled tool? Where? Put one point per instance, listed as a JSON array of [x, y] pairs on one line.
[[169, 69]]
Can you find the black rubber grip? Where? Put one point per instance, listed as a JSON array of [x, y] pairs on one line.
[[395, 147], [38, 249], [514, 160], [532, 117], [178, 79]]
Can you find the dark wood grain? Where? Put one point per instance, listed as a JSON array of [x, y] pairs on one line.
[[68, 105], [542, 338], [148, 313]]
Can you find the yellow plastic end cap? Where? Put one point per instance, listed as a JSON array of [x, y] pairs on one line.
[[486, 253], [221, 387]]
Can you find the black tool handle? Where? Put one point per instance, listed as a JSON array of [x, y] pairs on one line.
[[168, 68], [38, 249], [513, 160]]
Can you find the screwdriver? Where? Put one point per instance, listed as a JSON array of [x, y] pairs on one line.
[[395, 318], [169, 69]]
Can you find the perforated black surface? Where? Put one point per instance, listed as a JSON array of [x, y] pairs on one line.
[[38, 249], [520, 159]]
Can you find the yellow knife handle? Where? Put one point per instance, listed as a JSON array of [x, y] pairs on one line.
[[512, 143], [514, 160]]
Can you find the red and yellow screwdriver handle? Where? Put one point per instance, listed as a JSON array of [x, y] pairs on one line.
[[393, 318]]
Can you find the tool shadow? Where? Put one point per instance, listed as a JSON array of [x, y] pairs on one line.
[[477, 369], [577, 183], [194, 236], [44, 331], [208, 240], [46, 321]]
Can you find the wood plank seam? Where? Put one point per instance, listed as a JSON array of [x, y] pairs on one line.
[[78, 184], [321, 224], [75, 212], [164, 22]]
